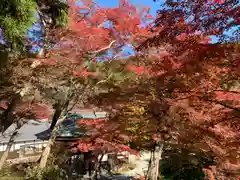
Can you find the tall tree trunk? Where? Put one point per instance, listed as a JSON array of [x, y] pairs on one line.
[[45, 154], [9, 145], [47, 149], [153, 172], [59, 116], [3, 56], [58, 110], [97, 167]]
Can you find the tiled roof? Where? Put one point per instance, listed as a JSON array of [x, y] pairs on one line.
[[26, 132], [34, 130]]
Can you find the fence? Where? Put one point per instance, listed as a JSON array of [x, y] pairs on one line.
[[27, 145]]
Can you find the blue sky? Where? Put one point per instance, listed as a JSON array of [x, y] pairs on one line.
[[144, 3], [104, 3], [154, 6]]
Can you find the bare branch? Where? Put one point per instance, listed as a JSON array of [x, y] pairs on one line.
[[105, 80], [41, 18], [105, 48]]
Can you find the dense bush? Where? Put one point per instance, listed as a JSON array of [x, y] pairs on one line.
[[51, 172]]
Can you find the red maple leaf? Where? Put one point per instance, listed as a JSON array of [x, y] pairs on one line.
[[41, 111], [228, 96], [137, 69], [218, 1], [91, 122], [3, 106]]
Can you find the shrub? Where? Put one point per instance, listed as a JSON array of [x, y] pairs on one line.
[[51, 172]]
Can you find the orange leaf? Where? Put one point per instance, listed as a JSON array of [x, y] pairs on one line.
[[218, 1], [137, 69]]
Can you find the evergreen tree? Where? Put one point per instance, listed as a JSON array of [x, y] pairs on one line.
[[18, 16]]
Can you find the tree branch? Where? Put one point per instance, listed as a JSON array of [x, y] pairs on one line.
[[226, 91], [227, 106], [105, 80], [104, 49], [41, 18]]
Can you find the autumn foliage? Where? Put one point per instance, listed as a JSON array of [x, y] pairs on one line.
[[183, 89], [188, 87], [94, 31], [86, 59], [102, 136]]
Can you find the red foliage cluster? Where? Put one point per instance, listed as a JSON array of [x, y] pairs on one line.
[[95, 30], [3, 105], [37, 111], [102, 136], [218, 1], [199, 79], [232, 96], [187, 71], [91, 122], [196, 79], [41, 111], [100, 145], [137, 69]]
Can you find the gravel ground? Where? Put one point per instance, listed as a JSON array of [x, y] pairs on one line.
[[115, 177]]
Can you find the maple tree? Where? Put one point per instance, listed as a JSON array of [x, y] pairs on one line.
[[208, 17], [195, 99], [185, 91], [209, 71], [184, 107], [181, 67], [72, 71]]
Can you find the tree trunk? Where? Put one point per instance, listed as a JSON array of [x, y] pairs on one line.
[[56, 115], [9, 145], [57, 119], [4, 54], [45, 154], [97, 167], [153, 172]]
